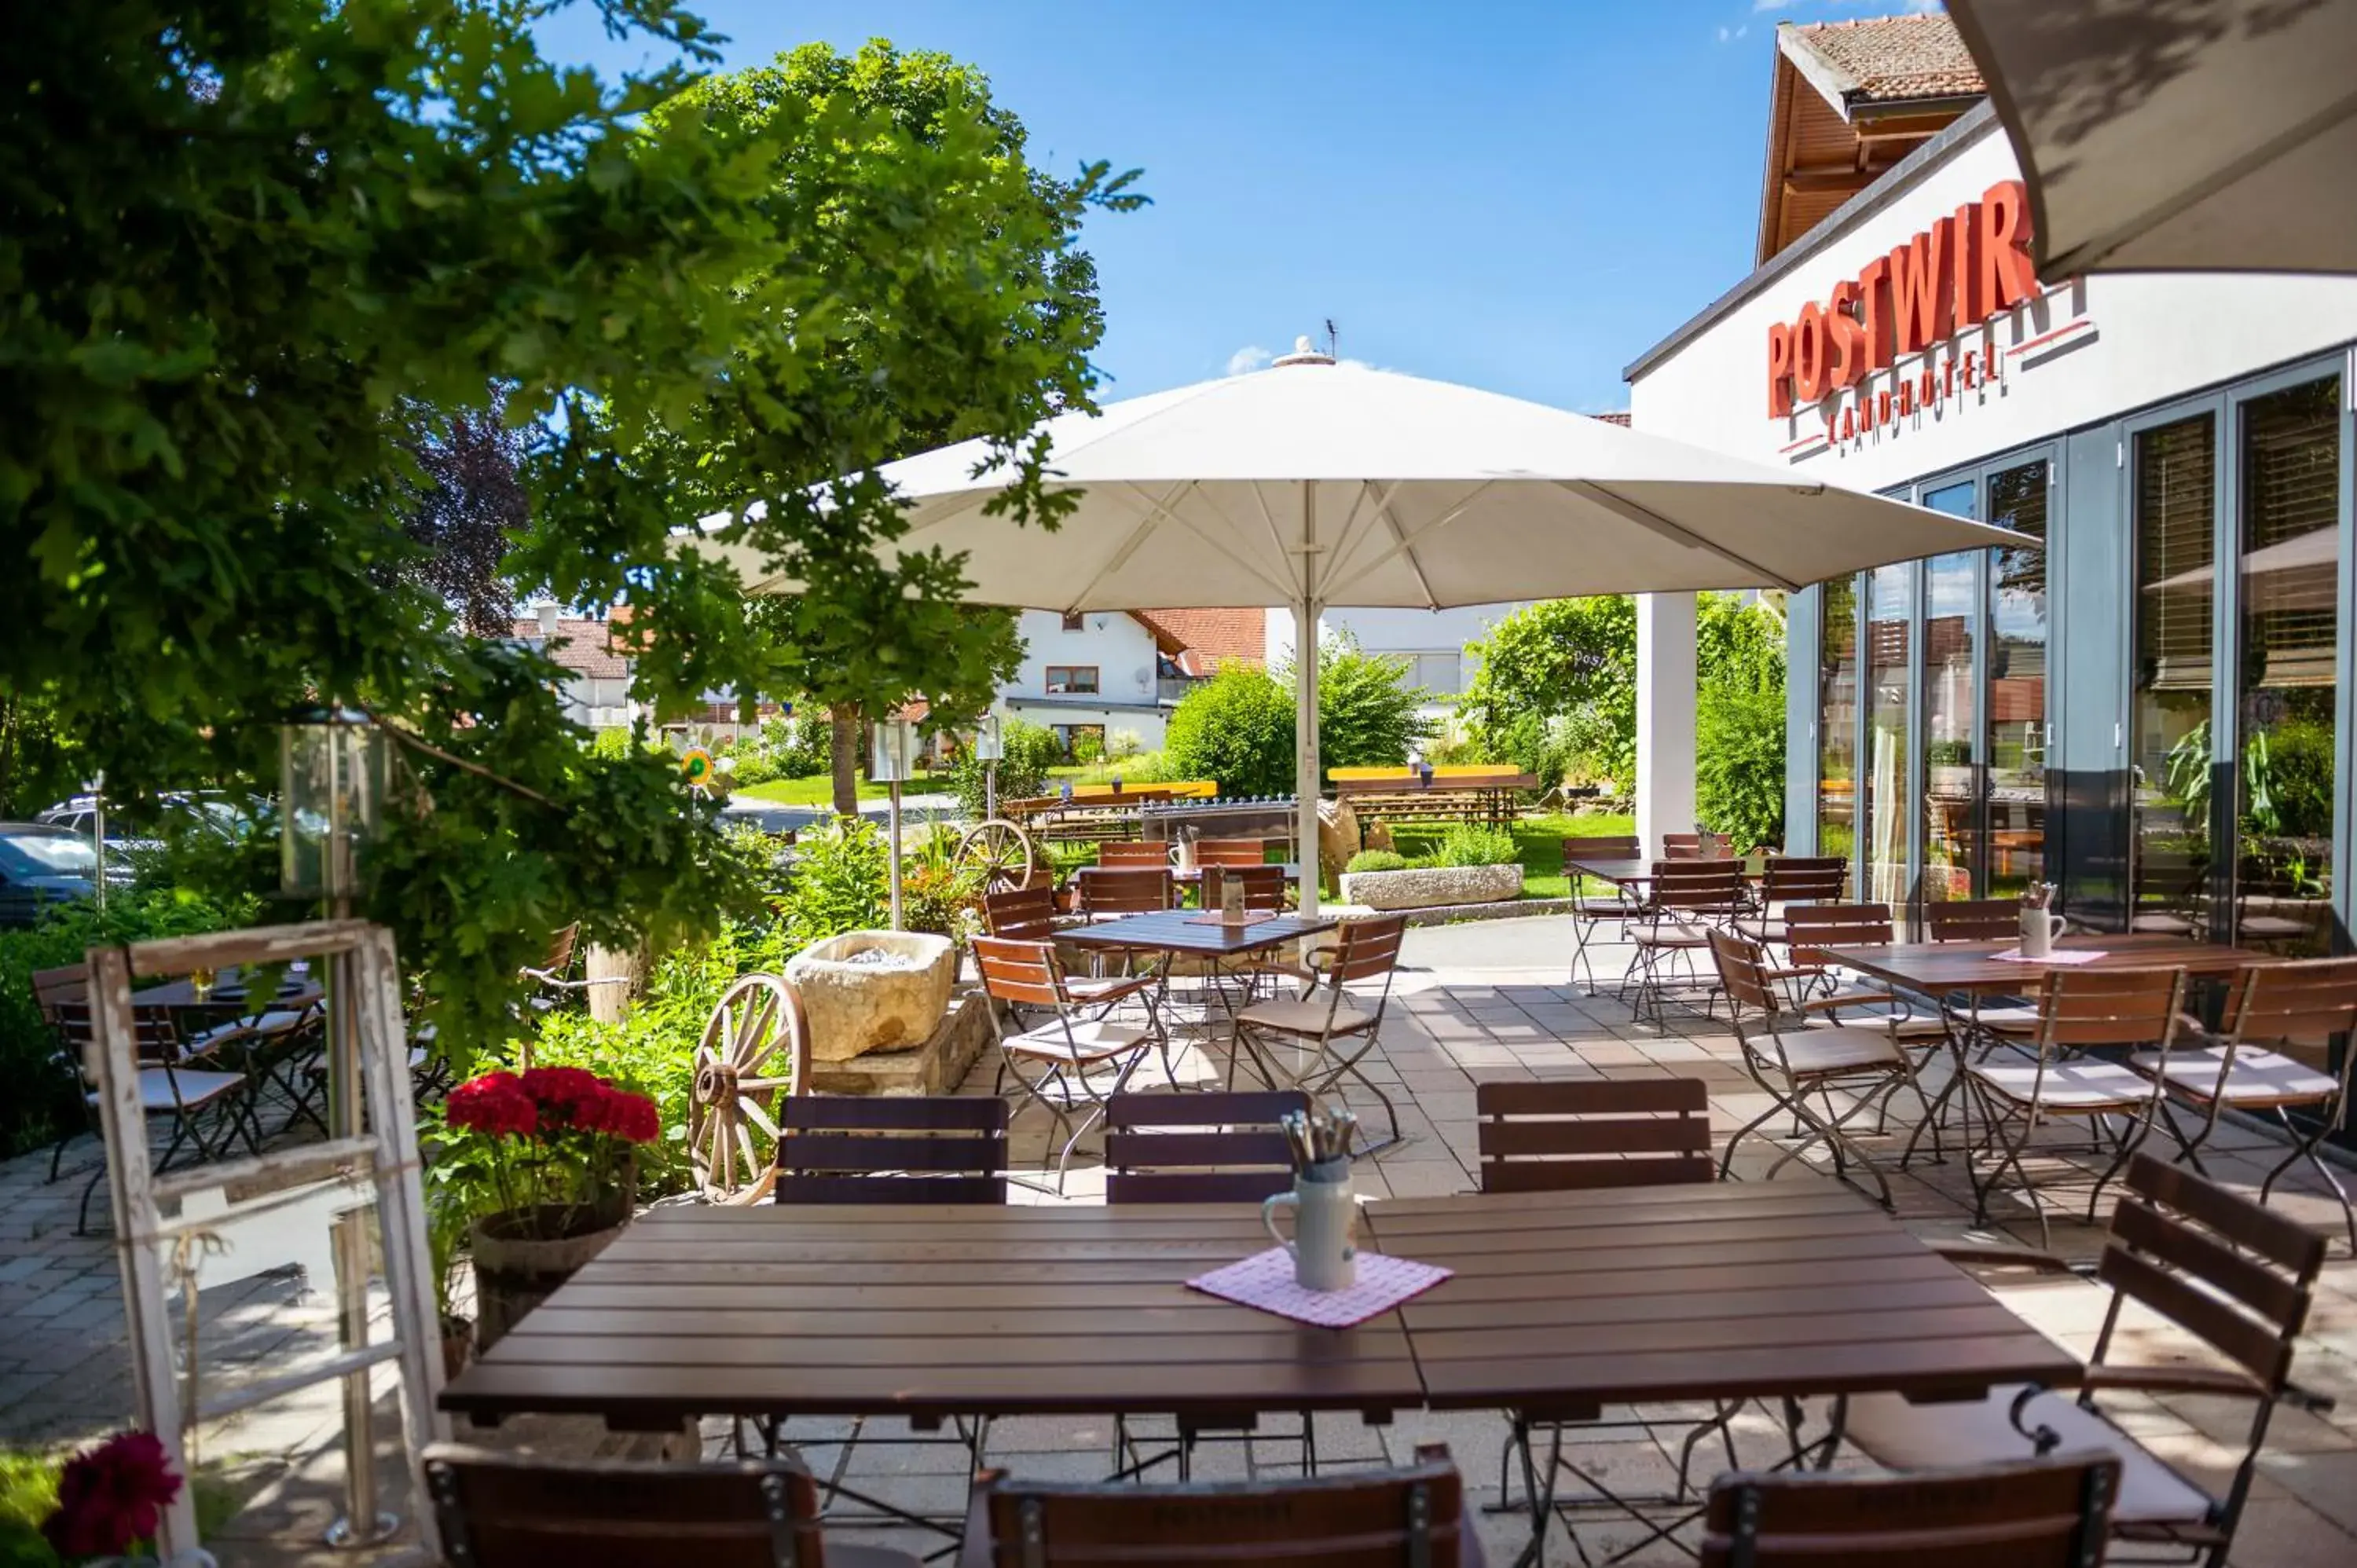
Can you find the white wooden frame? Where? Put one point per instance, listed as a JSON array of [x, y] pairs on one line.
[[364, 986]]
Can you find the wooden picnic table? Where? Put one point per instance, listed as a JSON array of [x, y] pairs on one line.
[[227, 995], [1470, 797], [1939, 968], [1637, 873], [1561, 1300]]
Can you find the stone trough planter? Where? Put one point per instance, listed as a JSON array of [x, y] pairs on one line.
[[1428, 886], [873, 991]]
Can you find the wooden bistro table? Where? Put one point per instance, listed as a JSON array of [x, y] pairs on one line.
[[1564, 1303], [1957, 974], [1185, 933]]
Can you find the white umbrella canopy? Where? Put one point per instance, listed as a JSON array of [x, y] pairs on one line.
[[2178, 134], [1313, 485]]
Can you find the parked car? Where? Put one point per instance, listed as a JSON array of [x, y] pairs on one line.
[[42, 864]]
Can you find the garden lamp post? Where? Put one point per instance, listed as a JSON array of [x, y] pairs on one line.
[[989, 749], [332, 768], [893, 744]]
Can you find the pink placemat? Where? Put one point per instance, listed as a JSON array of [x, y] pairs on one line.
[[2059, 955], [1265, 1280]]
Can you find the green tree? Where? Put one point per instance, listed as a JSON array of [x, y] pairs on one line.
[[1366, 707], [240, 243], [1236, 727], [1014, 328], [1554, 678], [1739, 719]]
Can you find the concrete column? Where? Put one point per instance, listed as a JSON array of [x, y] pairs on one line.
[[1665, 718]]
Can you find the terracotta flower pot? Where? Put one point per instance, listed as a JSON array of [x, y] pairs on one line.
[[522, 1255]]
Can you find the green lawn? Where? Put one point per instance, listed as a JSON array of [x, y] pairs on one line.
[[819, 791], [1539, 840]]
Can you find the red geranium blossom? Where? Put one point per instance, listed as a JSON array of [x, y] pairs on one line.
[[628, 1115], [110, 1496], [565, 1095], [495, 1103]]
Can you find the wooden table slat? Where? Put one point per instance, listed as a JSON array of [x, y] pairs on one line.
[[1940, 967]]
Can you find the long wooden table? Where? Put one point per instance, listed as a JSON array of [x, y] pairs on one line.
[[1186, 931], [1561, 1302]]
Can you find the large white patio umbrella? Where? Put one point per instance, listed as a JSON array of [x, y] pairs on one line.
[[1312, 485], [2178, 134]]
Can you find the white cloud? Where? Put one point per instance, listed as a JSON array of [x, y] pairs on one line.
[[1728, 35], [1251, 357]]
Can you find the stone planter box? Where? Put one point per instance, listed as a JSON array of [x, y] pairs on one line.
[[873, 991], [1422, 888]]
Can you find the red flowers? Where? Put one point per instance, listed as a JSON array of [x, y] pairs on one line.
[[545, 1101], [109, 1497]]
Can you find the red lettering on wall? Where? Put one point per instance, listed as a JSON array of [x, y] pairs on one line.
[[1809, 354], [1871, 315], [2007, 277], [1905, 403], [1882, 408], [1951, 277], [1848, 337], [1918, 293]]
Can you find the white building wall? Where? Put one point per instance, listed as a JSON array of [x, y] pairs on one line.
[[1121, 650], [1435, 639], [2154, 337]]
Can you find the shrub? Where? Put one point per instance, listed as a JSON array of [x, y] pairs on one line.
[[1236, 727], [1366, 707], [1031, 750], [1087, 747], [39, 1102], [1377, 860], [1739, 763], [839, 884], [749, 766], [1145, 767], [1122, 744], [1469, 845], [801, 746]]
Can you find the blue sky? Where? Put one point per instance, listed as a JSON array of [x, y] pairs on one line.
[[1516, 195]]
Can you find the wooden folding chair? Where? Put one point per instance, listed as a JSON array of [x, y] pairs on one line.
[[1575, 1136], [207, 1101], [503, 1510], [1126, 853], [1064, 1052], [1329, 1029], [1263, 885], [1997, 1022], [2273, 1009], [1694, 847], [1812, 933], [1218, 1146], [1580, 1137], [1688, 901], [2048, 1513], [1616, 907], [2079, 1010], [1408, 1518], [2234, 1276], [898, 1149], [1793, 1061], [859, 1150], [1231, 852], [1211, 1147], [1788, 880]]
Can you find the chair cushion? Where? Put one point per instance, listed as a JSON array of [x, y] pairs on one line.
[[1094, 989], [2082, 1084], [1291, 1015], [1089, 1040], [2008, 1020], [1890, 1430], [1672, 934], [196, 1089], [2263, 1076], [1839, 1049], [1877, 1009]]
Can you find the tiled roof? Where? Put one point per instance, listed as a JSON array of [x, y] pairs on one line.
[[1885, 59], [584, 647], [1201, 640], [1620, 418]]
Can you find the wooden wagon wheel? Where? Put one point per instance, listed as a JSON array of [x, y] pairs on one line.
[[755, 1051], [1002, 852]]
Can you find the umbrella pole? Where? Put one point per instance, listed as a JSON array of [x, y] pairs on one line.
[[894, 787]]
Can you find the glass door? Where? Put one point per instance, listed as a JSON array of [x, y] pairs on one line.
[[1890, 620], [1952, 789], [2014, 795]]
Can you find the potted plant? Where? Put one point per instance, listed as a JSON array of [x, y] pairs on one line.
[[111, 1501], [556, 1149], [446, 1229]]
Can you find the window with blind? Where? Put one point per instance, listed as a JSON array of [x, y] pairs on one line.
[[1837, 719], [2290, 589], [2176, 582]]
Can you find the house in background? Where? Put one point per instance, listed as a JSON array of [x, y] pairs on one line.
[[597, 688], [1432, 641], [1102, 672]]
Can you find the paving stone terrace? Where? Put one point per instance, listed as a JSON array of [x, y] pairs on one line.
[[1474, 1003]]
